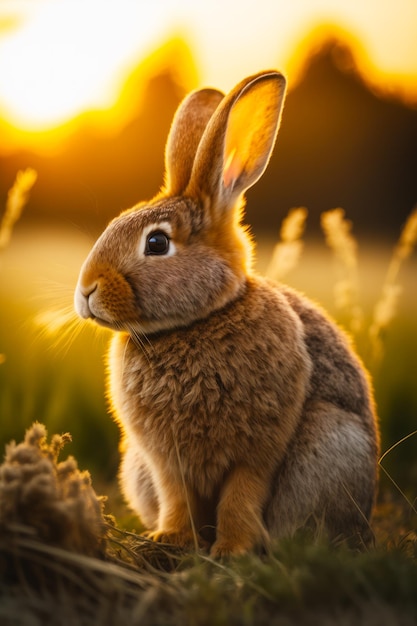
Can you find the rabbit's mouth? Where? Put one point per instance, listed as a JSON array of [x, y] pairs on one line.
[[87, 312], [85, 307], [102, 322], [103, 304]]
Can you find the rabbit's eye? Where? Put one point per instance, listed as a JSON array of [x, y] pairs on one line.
[[157, 243]]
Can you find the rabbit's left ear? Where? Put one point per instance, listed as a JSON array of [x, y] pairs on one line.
[[238, 141], [187, 128]]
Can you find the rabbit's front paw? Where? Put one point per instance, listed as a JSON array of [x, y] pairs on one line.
[[224, 548], [182, 539]]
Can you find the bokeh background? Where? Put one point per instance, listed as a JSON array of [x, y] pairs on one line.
[[87, 93]]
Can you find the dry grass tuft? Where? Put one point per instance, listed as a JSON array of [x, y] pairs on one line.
[[62, 561], [54, 499]]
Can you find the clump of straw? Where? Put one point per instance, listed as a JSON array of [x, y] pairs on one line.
[[55, 499], [287, 251], [16, 200], [386, 307], [337, 230]]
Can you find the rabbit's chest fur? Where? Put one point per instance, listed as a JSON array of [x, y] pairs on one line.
[[212, 394]]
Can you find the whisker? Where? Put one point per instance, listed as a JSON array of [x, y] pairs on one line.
[[59, 324], [143, 337], [141, 341]]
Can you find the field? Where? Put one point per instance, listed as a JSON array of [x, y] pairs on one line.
[[52, 371]]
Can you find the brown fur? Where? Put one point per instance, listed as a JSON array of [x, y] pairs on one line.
[[244, 412]]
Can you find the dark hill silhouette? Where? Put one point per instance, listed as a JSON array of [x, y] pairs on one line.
[[339, 145], [342, 145]]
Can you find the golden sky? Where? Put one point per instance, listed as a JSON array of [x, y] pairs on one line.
[[59, 58]]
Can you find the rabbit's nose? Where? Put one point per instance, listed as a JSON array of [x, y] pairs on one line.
[[87, 290], [81, 299]]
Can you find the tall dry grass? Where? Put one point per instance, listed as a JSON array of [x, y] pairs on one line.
[[338, 235], [17, 198], [340, 239], [386, 307], [287, 252]]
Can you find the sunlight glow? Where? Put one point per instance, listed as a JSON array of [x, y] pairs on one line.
[[72, 56], [60, 58]]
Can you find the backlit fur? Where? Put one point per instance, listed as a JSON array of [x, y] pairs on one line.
[[243, 410]]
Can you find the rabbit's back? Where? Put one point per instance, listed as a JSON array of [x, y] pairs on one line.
[[337, 374], [329, 476]]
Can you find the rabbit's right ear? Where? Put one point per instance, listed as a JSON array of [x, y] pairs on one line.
[[188, 126], [237, 143]]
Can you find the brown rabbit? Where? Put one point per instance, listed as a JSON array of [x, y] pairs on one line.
[[242, 407]]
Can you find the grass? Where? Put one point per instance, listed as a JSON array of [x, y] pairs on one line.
[[129, 580], [300, 582], [64, 562]]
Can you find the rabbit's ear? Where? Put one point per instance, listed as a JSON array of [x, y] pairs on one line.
[[188, 126], [237, 143]]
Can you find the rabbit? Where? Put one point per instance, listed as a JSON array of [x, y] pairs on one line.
[[244, 412]]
